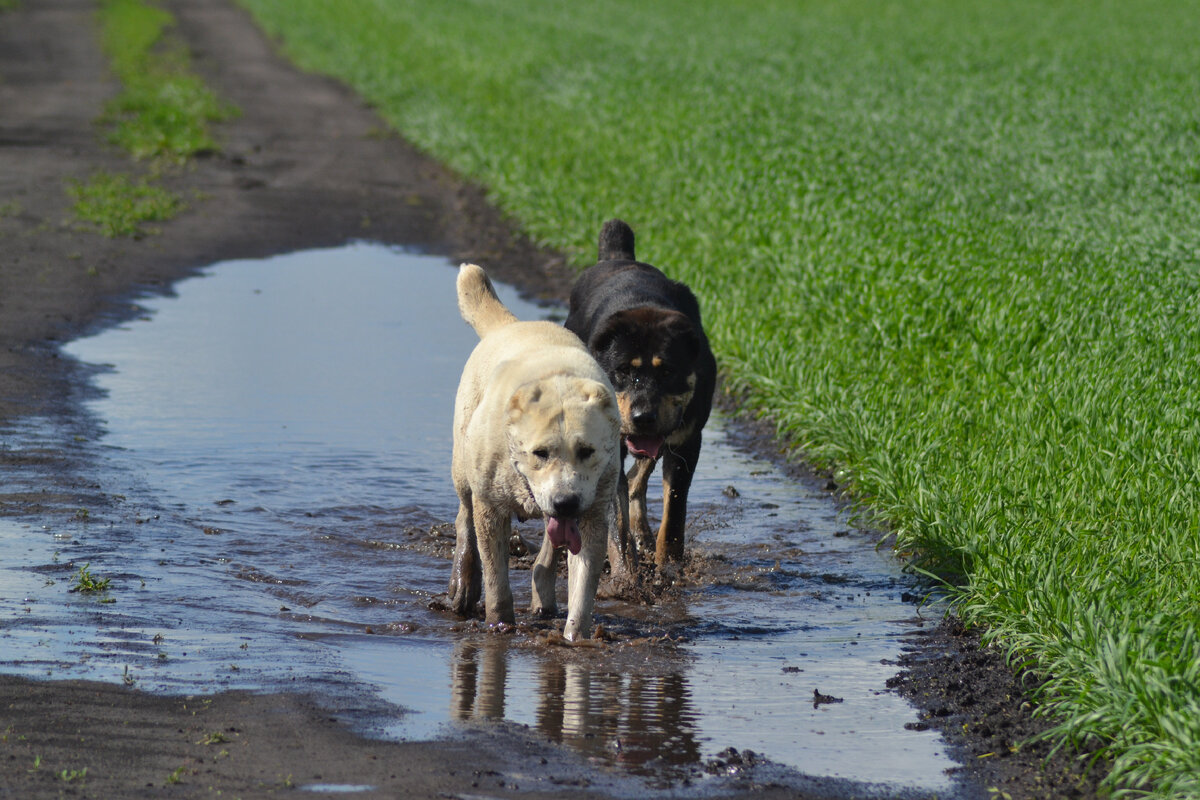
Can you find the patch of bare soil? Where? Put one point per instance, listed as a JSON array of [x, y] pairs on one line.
[[968, 693], [305, 165]]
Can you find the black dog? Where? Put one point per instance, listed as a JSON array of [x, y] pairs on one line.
[[644, 329]]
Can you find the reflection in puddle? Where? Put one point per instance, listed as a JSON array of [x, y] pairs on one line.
[[632, 718], [274, 474]]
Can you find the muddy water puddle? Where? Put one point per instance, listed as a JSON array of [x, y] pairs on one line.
[[268, 453]]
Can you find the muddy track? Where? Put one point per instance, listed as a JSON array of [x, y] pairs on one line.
[[306, 165]]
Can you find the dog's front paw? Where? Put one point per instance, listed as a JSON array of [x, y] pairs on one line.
[[640, 533], [576, 630]]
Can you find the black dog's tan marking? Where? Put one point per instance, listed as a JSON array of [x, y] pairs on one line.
[[644, 329]]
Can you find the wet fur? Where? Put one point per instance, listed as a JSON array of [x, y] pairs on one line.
[[645, 331], [536, 433]]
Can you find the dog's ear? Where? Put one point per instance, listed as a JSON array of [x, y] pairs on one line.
[[681, 331], [596, 392], [603, 337], [522, 399], [598, 397]]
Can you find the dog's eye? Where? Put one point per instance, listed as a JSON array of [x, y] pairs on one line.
[[541, 454], [586, 452]]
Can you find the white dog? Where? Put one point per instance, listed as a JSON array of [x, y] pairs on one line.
[[536, 434]]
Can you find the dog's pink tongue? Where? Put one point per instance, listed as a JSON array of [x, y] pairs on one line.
[[644, 446], [564, 531]]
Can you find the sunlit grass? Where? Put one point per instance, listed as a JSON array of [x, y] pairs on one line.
[[951, 249], [119, 205], [164, 110]]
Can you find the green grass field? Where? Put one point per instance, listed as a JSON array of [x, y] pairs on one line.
[[953, 249]]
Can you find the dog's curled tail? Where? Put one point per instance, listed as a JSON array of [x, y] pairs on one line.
[[478, 303]]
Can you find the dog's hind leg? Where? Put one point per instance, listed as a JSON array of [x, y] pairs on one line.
[[465, 575], [492, 531], [679, 465], [545, 569]]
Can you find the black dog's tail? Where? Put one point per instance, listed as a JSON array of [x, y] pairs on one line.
[[616, 241]]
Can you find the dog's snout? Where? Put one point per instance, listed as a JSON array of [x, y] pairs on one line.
[[566, 505], [644, 417]]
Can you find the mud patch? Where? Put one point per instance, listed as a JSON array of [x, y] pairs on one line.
[[271, 503]]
